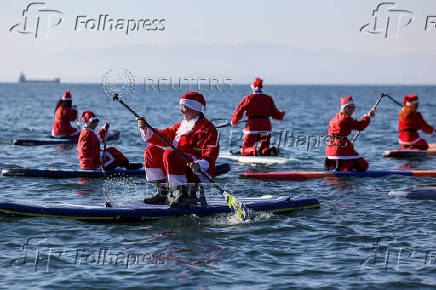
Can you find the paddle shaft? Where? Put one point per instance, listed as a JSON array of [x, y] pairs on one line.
[[104, 150], [393, 100], [229, 124], [375, 106]]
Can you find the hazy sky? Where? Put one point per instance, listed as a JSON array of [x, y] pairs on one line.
[[287, 42]]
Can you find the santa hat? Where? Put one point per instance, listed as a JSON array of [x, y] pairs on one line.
[[88, 117], [257, 84], [66, 96], [346, 102], [193, 100], [410, 100]]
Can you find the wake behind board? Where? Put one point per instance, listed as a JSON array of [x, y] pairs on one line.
[[112, 135], [306, 175], [258, 159], [72, 173], [138, 211], [425, 191], [409, 153]]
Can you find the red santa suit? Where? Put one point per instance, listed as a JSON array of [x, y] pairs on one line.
[[409, 127], [197, 139], [258, 108], [63, 116], [339, 147], [88, 146]]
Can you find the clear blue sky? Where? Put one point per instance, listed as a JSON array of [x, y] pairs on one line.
[[286, 42]]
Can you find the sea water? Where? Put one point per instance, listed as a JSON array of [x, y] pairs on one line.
[[360, 237]]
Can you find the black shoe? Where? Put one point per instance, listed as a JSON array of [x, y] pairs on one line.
[[155, 199], [259, 148], [272, 152], [182, 196], [133, 166], [161, 196]]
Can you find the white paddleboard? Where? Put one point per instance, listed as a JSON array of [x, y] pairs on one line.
[[259, 159]]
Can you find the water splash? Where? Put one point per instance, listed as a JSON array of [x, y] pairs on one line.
[[231, 219]]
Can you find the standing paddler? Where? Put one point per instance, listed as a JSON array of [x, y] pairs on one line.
[[410, 122], [340, 153], [197, 138], [258, 107], [65, 113]]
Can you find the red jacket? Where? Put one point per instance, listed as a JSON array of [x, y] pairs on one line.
[[89, 148], [201, 142], [409, 128], [61, 125], [258, 108], [340, 126]]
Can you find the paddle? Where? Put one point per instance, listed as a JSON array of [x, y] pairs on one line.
[[104, 150], [375, 106], [393, 100], [228, 124], [233, 203]]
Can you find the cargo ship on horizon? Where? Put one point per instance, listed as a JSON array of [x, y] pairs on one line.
[[22, 79]]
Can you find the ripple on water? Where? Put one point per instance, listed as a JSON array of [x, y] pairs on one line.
[[331, 247]]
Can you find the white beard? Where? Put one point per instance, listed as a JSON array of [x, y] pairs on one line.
[[186, 127]]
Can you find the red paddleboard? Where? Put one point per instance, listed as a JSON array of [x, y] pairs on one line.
[[407, 153], [306, 175]]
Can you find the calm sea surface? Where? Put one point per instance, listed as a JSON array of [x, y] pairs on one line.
[[359, 238]]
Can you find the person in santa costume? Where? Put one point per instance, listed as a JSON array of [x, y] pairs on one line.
[[410, 122], [64, 114], [258, 107], [90, 154], [340, 153], [197, 138]]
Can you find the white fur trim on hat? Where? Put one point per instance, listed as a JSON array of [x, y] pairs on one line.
[[350, 102], [412, 102], [193, 104], [92, 119]]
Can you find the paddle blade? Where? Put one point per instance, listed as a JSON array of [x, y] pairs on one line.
[[237, 207]]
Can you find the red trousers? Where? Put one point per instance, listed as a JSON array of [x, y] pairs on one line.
[[359, 164], [420, 145], [114, 158], [248, 145], [163, 164]]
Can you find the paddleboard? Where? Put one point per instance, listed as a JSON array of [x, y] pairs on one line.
[[112, 135], [138, 211], [258, 159], [72, 173], [306, 175], [408, 153], [425, 191]]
